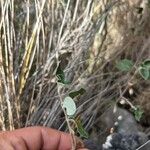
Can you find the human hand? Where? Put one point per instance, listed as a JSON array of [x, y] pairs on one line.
[[35, 138]]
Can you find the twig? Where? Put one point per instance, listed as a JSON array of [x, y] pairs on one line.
[[143, 145]]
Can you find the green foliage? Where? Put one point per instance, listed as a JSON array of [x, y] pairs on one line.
[[81, 129], [144, 73], [77, 93], [138, 113], [69, 105], [147, 63], [144, 69], [124, 65], [61, 76]]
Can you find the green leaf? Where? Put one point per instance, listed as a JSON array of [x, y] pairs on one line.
[[144, 69], [146, 64], [69, 105], [138, 112], [81, 129], [124, 65], [61, 76], [76, 93], [144, 72]]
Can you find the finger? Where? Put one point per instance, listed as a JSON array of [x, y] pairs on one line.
[[35, 138]]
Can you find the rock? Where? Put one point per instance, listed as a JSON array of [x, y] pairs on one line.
[[123, 141], [92, 145], [126, 121]]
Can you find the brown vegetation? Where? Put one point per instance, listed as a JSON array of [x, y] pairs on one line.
[[88, 38]]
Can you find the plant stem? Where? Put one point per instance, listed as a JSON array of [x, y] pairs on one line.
[[67, 119]]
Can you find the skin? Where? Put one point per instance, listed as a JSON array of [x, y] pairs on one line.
[[35, 138]]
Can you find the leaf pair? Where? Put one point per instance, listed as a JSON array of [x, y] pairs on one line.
[[126, 65]]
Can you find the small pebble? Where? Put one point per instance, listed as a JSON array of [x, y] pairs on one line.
[[119, 117]]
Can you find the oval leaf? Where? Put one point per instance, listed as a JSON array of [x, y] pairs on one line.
[[60, 73], [61, 76], [70, 106], [77, 93], [144, 72], [125, 65]]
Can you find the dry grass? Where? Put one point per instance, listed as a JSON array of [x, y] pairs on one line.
[[88, 37]]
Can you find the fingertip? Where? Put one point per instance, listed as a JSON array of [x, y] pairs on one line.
[[54, 139]]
